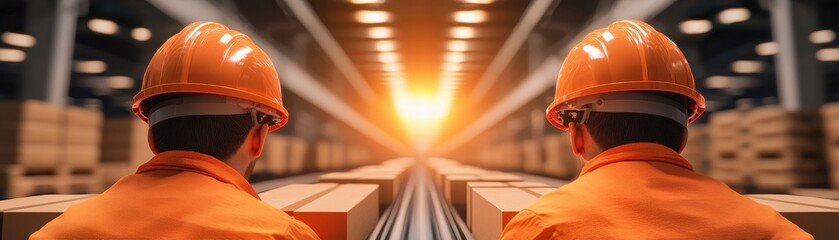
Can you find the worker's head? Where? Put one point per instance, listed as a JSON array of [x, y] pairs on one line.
[[211, 90], [622, 84]]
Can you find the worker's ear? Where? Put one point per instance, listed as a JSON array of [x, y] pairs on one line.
[[256, 139], [150, 137], [577, 139]]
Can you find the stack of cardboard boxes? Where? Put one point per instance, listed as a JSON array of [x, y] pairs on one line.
[[533, 160], [30, 145], [81, 136], [727, 145], [560, 161], [275, 155], [297, 155], [696, 148], [830, 119], [785, 148], [125, 147]]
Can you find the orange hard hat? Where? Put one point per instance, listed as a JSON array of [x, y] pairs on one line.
[[208, 58], [626, 56]]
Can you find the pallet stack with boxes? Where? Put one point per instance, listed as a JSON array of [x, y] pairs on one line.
[[29, 147], [785, 148], [560, 161], [297, 155], [274, 158], [81, 136], [696, 148], [125, 147], [727, 143], [830, 119]]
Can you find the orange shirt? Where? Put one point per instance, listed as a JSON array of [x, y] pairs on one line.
[[647, 191], [177, 195]]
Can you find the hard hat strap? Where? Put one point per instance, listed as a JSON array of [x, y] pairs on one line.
[[622, 102], [206, 104]]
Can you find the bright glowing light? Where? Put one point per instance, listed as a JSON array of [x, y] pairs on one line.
[[734, 15], [141, 34], [18, 39], [385, 46], [452, 67], [463, 32], [455, 57], [822, 36], [473, 16], [380, 32], [366, 16], [422, 109], [695, 26], [103, 26], [11, 55], [367, 1], [747, 66], [767, 48], [388, 57], [458, 46], [393, 67], [91, 66], [479, 1], [828, 54]]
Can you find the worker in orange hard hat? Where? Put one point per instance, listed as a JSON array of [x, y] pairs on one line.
[[210, 96], [626, 94]]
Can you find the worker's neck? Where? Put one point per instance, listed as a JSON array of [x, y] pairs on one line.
[[242, 162]]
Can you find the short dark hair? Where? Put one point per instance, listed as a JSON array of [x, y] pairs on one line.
[[614, 129], [214, 135]]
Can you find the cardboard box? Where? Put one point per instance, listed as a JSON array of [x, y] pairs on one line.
[[275, 154], [493, 208], [31, 155], [815, 215], [82, 117], [540, 191], [560, 161], [454, 185], [323, 159], [825, 193], [338, 156], [13, 133], [297, 155], [125, 139], [389, 184], [24, 216], [291, 197], [350, 211], [532, 151], [470, 193], [29, 111]]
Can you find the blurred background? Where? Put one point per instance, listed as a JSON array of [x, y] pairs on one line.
[[370, 80]]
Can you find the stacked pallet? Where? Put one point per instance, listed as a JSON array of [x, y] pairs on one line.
[[785, 148], [125, 147], [532, 152], [81, 136], [696, 148], [323, 155], [297, 155], [560, 161], [727, 142], [275, 156], [29, 147], [830, 116]]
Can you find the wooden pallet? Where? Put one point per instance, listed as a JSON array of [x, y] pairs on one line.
[[732, 176], [784, 180], [729, 159], [786, 159], [560, 161], [775, 120], [20, 181]]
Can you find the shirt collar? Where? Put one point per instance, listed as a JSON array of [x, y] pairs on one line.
[[198, 163], [650, 152]]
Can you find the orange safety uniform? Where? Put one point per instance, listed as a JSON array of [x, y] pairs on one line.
[[177, 195], [647, 191]]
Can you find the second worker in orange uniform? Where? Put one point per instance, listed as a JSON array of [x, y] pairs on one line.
[[626, 94], [210, 96]]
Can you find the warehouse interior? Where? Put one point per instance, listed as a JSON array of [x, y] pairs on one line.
[[418, 97]]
